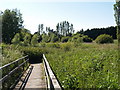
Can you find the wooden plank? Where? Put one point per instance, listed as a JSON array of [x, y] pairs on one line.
[[37, 78]]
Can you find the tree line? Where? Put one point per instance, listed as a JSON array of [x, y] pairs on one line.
[[95, 32], [13, 31]]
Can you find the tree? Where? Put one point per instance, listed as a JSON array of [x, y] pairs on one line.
[[95, 32], [58, 28], [40, 29], [0, 27], [71, 28], [117, 19], [23, 33], [11, 23], [16, 39], [64, 28]]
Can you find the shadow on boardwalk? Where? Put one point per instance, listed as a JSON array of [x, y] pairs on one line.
[[34, 78]]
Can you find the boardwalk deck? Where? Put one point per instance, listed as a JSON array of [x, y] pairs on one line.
[[37, 78], [33, 79]]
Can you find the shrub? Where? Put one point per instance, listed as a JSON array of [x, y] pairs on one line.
[[64, 39], [54, 39], [79, 40], [45, 38], [87, 39], [34, 40], [74, 38], [42, 44], [53, 45], [66, 46], [16, 39], [27, 39], [104, 38], [34, 53]]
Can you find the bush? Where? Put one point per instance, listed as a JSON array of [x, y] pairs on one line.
[[34, 53], [87, 39], [79, 40], [45, 38], [34, 40], [64, 39], [54, 39], [16, 39], [66, 46], [53, 45], [74, 38], [104, 38], [42, 45]]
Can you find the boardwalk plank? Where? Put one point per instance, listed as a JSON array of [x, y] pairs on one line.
[[37, 77]]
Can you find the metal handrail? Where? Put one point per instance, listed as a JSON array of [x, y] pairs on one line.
[[52, 82]]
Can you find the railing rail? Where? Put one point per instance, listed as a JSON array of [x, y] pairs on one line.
[[52, 82], [17, 64], [13, 62]]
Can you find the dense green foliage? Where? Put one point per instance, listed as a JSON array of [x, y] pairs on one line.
[[10, 53], [34, 53], [85, 66], [11, 23], [16, 39], [13, 52], [34, 40], [87, 39], [23, 38], [104, 38], [95, 32]]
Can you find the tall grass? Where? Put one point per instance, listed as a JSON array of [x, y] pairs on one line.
[[85, 66], [10, 53]]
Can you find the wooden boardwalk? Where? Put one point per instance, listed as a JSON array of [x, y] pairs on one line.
[[37, 78]]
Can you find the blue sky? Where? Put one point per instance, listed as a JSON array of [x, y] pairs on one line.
[[82, 14]]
